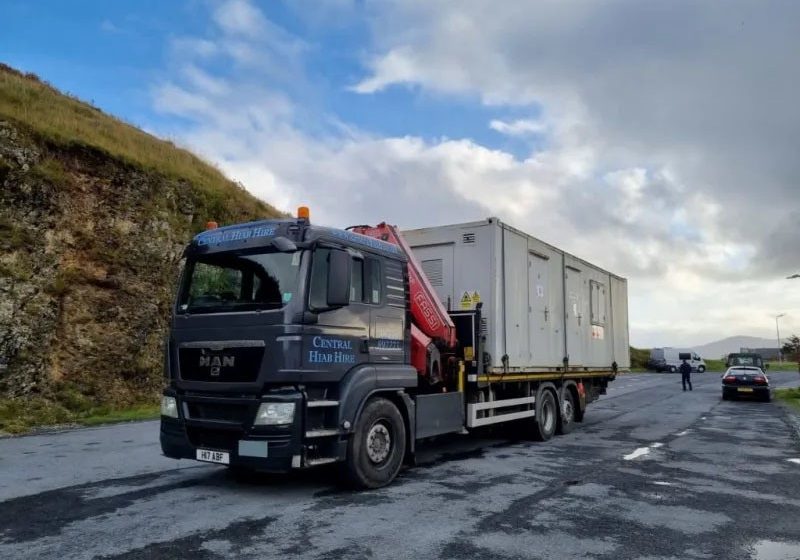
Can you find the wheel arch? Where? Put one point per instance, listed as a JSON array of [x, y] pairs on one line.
[[389, 382]]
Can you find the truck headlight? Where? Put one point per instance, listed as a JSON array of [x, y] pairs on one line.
[[169, 407], [274, 414]]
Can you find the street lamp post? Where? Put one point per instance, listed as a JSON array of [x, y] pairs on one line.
[[778, 330]]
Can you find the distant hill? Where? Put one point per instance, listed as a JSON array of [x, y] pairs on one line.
[[94, 214], [720, 348]]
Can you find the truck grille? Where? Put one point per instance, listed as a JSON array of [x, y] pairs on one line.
[[239, 413], [229, 365]]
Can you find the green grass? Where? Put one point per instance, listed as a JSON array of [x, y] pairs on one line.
[[782, 366], [715, 365], [639, 358], [789, 396], [108, 416], [19, 416]]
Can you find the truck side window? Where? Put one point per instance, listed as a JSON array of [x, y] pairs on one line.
[[372, 294], [357, 281]]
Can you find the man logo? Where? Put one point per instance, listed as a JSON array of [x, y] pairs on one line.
[[216, 363]]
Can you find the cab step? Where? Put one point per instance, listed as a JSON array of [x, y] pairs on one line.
[[320, 461], [316, 404], [321, 433]]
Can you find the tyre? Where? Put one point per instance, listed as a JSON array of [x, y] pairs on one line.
[[376, 448], [701, 369], [673, 369], [568, 416], [546, 419], [725, 396]]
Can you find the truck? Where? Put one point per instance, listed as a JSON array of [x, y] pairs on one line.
[[670, 359], [294, 345]]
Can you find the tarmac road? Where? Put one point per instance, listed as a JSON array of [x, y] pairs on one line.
[[653, 472]]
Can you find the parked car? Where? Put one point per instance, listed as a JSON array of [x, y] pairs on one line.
[[669, 359], [745, 381]]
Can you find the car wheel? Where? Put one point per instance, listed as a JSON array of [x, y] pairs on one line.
[[725, 396], [567, 418], [375, 450], [546, 419], [701, 369], [673, 369]]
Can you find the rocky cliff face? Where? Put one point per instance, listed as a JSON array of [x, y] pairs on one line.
[[90, 249]]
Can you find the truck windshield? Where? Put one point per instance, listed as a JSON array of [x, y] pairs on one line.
[[239, 281]]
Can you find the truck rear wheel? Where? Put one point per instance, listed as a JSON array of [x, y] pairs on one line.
[[376, 448], [568, 416], [546, 419]]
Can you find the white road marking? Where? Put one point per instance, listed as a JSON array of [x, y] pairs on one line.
[[657, 445], [683, 433], [797, 461], [662, 483], [637, 453]]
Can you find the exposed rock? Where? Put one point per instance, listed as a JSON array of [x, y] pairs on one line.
[[89, 254]]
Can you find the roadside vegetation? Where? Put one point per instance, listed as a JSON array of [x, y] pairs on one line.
[[639, 358], [19, 416], [790, 397]]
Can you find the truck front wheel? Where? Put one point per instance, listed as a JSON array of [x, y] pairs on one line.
[[376, 447]]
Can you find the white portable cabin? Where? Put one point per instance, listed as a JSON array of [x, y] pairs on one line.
[[539, 304]]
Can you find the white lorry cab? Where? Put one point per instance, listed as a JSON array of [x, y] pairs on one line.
[[670, 359]]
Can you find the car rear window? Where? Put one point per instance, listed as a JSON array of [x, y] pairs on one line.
[[743, 371]]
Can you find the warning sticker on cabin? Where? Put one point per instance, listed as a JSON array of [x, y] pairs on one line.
[[476, 298], [539, 290], [466, 301], [598, 332]]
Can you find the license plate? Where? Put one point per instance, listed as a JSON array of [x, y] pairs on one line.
[[745, 390], [211, 456]]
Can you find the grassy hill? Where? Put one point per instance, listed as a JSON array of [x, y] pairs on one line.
[[93, 217]]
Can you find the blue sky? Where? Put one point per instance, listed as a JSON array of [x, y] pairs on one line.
[[660, 144], [111, 53]]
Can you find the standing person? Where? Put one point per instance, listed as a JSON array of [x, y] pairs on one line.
[[686, 374]]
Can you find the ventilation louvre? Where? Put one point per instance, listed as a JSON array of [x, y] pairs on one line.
[[433, 270]]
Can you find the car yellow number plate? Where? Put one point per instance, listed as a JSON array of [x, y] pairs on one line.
[[745, 390]]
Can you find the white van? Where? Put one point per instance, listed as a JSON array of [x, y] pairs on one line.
[[669, 359]]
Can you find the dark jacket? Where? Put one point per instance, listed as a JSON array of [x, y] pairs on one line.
[[685, 368]]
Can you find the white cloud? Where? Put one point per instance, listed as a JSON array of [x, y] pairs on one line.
[[639, 202], [240, 17], [520, 127]]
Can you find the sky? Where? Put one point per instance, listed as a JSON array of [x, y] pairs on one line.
[[660, 141]]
